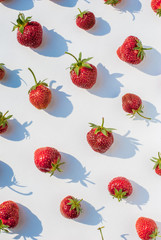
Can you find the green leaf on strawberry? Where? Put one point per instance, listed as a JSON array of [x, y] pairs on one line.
[[140, 49], [21, 22], [1, 66], [75, 204], [3, 227], [56, 166], [36, 83], [101, 128], [157, 161], [81, 14], [3, 119]]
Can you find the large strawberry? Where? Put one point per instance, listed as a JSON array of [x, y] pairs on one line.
[[120, 187], [132, 104], [47, 159], [100, 138], [4, 122], [100, 229], [157, 165], [83, 74], [29, 33], [112, 2], [85, 20], [146, 228], [39, 94], [2, 71], [70, 207], [156, 6], [131, 50], [9, 215]]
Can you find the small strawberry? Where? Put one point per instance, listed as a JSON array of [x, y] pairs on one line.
[[157, 165], [132, 104], [2, 71], [39, 94], [9, 215], [112, 2], [100, 229], [100, 138], [4, 122], [132, 50], [2, 0], [85, 20], [146, 228], [120, 187], [70, 207], [47, 159], [83, 74], [29, 33], [156, 6]]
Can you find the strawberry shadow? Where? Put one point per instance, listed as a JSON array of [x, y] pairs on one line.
[[107, 85], [12, 78], [101, 28], [17, 131], [123, 146], [73, 171], [123, 236], [53, 44], [7, 179], [19, 4], [65, 3], [60, 105]]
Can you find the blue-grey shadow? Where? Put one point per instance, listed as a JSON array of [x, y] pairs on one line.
[[124, 236], [129, 6], [7, 179], [101, 28], [17, 131], [53, 44], [73, 171], [107, 85], [60, 105], [29, 225], [19, 4], [12, 78], [65, 3], [123, 146]]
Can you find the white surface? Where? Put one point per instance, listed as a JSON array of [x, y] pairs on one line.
[[65, 123]]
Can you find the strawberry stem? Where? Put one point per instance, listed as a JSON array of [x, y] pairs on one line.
[[33, 75], [72, 56], [100, 229], [102, 122], [3, 227], [79, 10], [5, 114], [143, 116]]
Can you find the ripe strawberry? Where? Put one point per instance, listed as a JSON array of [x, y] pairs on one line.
[[100, 138], [9, 215], [131, 50], [156, 6], [120, 187], [146, 228], [85, 20], [83, 74], [112, 2], [100, 229], [29, 33], [70, 207], [157, 165], [47, 159], [4, 122], [2, 0], [2, 71], [132, 104], [39, 94]]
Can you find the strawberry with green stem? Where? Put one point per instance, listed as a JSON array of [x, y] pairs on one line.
[[2, 71], [85, 20], [100, 229], [4, 122], [157, 162], [70, 207], [156, 6]]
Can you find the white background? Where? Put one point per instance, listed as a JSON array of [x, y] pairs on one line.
[[64, 124]]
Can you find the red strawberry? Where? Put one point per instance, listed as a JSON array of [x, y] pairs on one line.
[[120, 187], [131, 50], [4, 122], [146, 228], [9, 215], [83, 74], [39, 94], [132, 104], [156, 6], [157, 165], [112, 2], [2, 71], [2, 0], [70, 207], [85, 20], [29, 33], [100, 138], [100, 229], [47, 159]]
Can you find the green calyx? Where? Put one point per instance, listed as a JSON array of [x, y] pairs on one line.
[[81, 14], [3, 227], [141, 53], [21, 22], [1, 66], [119, 194], [157, 161], [3, 119], [100, 229], [55, 167], [139, 111], [79, 63], [101, 128], [36, 83], [75, 204], [112, 2], [158, 11], [154, 234]]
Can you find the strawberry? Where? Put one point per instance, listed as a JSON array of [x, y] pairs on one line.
[[47, 159], [29, 33], [83, 74], [131, 50], [146, 228], [85, 20], [39, 94], [70, 207], [100, 229], [100, 138], [157, 165], [9, 215], [2, 71], [2, 0], [112, 2], [132, 104], [120, 187], [156, 6], [4, 122]]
